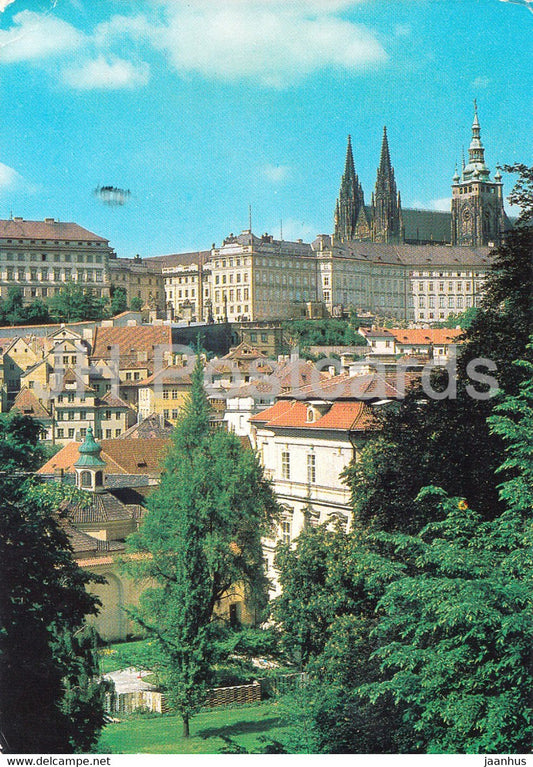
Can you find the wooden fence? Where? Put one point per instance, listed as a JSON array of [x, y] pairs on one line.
[[260, 689]]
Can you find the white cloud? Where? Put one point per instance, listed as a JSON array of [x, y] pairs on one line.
[[4, 4], [481, 82], [8, 177], [107, 73], [10, 180], [276, 173], [36, 36], [444, 203], [272, 42]]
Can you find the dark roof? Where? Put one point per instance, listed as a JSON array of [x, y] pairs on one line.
[[178, 259], [46, 230], [427, 256], [152, 426], [427, 225]]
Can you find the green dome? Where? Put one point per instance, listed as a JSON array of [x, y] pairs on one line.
[[90, 451]]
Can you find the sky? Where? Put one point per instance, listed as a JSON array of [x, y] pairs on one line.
[[205, 108]]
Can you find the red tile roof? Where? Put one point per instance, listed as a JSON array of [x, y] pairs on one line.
[[46, 230], [28, 404], [341, 416], [422, 336]]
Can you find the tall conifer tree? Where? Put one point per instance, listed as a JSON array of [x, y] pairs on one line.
[[200, 539]]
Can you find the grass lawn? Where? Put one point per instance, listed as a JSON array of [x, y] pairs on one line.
[[162, 735], [115, 656]]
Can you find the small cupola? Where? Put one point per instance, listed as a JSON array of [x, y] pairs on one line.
[[89, 466]]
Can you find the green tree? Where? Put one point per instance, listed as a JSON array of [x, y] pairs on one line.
[[136, 304], [456, 632], [74, 303], [119, 301], [201, 537], [50, 701], [462, 320]]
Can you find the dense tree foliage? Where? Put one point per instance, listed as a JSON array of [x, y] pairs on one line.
[[455, 632], [75, 303], [200, 539], [330, 332], [13, 311], [118, 302], [461, 320], [50, 701]]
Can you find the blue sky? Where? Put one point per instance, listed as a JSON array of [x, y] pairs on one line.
[[201, 108]]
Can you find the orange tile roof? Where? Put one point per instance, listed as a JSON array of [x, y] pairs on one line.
[[341, 416], [46, 230], [122, 456], [130, 341], [421, 336]]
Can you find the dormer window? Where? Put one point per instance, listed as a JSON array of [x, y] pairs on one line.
[[310, 414]]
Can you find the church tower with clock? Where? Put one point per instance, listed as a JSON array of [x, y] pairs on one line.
[[478, 216]]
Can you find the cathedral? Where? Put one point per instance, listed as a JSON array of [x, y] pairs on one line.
[[477, 216]]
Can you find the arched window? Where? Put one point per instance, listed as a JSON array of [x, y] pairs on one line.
[[99, 478], [86, 479]]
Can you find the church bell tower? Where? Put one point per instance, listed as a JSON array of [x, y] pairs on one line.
[[478, 216]]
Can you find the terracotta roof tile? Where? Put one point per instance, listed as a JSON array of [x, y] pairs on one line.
[[28, 404], [421, 336], [341, 416], [130, 341], [122, 456]]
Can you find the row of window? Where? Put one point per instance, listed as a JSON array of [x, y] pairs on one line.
[[232, 295], [99, 434], [453, 302], [170, 413], [286, 466], [72, 415], [441, 287], [220, 279], [43, 275], [81, 258]]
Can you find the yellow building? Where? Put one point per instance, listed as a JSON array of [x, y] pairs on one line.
[[164, 393]]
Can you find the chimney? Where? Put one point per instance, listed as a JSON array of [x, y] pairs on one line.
[[49, 220]]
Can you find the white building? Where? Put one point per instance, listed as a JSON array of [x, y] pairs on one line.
[[305, 441]]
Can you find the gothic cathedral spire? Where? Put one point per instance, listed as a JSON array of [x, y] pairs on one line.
[[350, 202], [386, 208]]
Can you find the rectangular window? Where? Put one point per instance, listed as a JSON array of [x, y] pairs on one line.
[[166, 394], [175, 413], [311, 468], [286, 531], [285, 465], [60, 433], [71, 433], [108, 433]]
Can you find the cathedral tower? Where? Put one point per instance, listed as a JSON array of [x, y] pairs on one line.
[[350, 217], [478, 217], [387, 225]]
